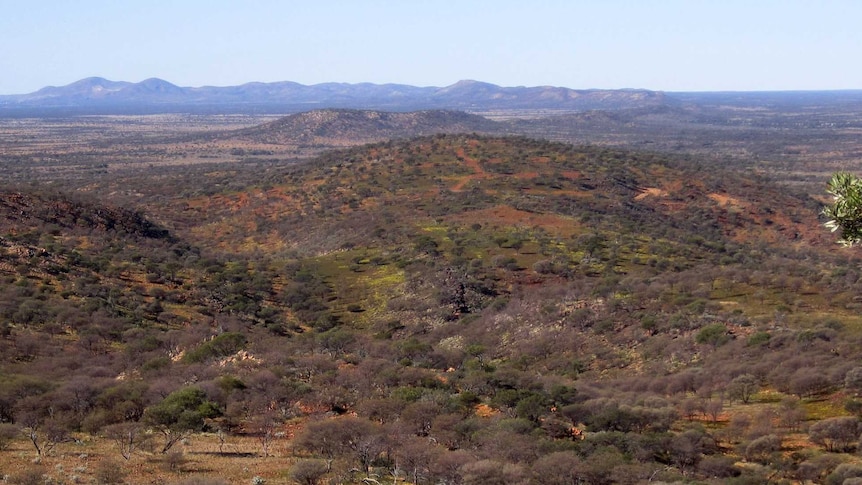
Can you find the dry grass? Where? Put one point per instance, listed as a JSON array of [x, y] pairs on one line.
[[238, 461]]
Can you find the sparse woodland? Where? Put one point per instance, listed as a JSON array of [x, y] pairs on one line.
[[457, 309]]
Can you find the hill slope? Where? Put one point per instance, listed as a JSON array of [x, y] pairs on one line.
[[333, 128], [454, 174], [476, 304]]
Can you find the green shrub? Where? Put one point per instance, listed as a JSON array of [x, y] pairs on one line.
[[220, 346], [757, 339], [714, 334]]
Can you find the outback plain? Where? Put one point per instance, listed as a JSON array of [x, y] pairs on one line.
[[505, 295]]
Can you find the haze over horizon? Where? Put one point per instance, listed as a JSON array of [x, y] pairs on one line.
[[672, 45]]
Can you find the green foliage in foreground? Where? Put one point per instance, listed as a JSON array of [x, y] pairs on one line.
[[845, 213]]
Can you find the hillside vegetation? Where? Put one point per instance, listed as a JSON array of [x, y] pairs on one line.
[[444, 309]]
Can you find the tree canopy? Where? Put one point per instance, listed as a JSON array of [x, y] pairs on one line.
[[845, 213]]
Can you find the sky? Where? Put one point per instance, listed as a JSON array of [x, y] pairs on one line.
[[665, 45]]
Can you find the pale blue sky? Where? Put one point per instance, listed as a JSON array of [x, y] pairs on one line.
[[671, 45]]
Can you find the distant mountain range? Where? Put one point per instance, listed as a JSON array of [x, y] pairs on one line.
[[155, 95], [95, 95]]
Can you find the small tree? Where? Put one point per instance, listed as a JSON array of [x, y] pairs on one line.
[[348, 436], [713, 409], [180, 414], [44, 432], [532, 407], [128, 437], [415, 455], [743, 388], [264, 426], [687, 448]]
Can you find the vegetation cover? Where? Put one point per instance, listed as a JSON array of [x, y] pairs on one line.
[[443, 309]]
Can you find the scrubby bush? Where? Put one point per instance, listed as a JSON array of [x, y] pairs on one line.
[[844, 472], [8, 432], [109, 472], [836, 434], [308, 472], [30, 476], [762, 448]]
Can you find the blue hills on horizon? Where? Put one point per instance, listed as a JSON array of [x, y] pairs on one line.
[[154, 94], [96, 95]]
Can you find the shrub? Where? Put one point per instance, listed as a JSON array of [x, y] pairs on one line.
[[173, 461], [490, 472], [221, 346], [758, 339], [761, 449], [844, 472], [8, 432], [30, 476], [308, 472], [836, 434], [718, 467], [110, 471], [714, 334]]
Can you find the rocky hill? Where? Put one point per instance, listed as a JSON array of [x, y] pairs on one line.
[[20, 210], [342, 127]]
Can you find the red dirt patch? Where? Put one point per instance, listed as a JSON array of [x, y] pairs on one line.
[[478, 171]]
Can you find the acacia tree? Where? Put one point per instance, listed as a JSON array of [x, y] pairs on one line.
[[743, 387], [45, 432], [40, 423], [348, 436], [845, 213], [179, 414]]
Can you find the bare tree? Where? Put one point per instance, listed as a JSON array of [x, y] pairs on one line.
[[44, 432], [713, 409], [264, 426], [347, 436], [415, 455], [128, 437]]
